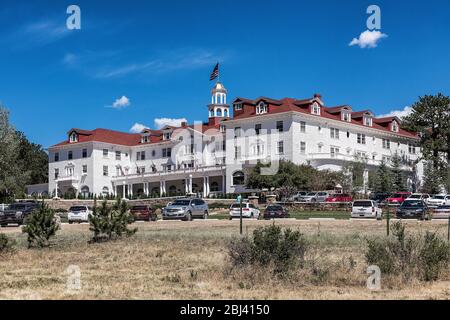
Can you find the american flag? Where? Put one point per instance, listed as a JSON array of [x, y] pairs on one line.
[[215, 72]]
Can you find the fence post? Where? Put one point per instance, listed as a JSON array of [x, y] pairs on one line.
[[448, 229]]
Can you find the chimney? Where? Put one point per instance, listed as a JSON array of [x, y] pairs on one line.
[[318, 95], [184, 124]]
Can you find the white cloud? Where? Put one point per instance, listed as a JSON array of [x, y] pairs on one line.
[[368, 39], [398, 113], [138, 127], [162, 122], [121, 103]]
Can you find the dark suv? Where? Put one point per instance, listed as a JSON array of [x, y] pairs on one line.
[[17, 212], [416, 209]]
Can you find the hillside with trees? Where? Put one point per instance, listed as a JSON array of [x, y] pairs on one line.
[[21, 161]]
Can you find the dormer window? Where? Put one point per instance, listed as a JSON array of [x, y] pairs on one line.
[[238, 106], [394, 126], [144, 139], [315, 109], [73, 137], [167, 135], [261, 108], [367, 120], [346, 116]]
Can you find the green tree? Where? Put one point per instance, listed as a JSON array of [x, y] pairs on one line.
[[384, 178], [41, 226], [398, 176], [33, 158], [430, 117], [13, 176], [431, 182]]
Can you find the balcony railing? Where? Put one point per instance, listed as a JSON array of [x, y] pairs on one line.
[[171, 172]]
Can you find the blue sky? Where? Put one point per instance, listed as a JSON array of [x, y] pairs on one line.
[[159, 54]]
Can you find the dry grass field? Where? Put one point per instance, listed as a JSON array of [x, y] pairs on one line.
[[188, 260]]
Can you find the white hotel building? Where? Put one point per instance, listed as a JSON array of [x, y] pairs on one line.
[[211, 157]]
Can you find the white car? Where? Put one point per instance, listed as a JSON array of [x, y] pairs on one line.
[[79, 214], [425, 197], [366, 209], [439, 200], [248, 211], [441, 212]]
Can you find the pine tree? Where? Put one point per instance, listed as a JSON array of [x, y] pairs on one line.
[[41, 226], [384, 178], [431, 179], [110, 222], [398, 176]]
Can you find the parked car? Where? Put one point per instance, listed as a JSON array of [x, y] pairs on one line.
[[366, 209], [3, 207], [379, 197], [339, 197], [248, 211], [186, 209], [419, 196], [79, 214], [416, 209], [275, 211], [143, 212], [441, 212], [439, 200], [398, 197], [315, 197], [17, 213], [299, 195]]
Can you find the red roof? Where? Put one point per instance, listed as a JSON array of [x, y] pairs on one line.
[[304, 106]]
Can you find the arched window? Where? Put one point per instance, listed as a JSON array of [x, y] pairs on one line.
[[85, 192], [219, 112], [261, 108], [211, 113], [238, 178], [214, 187], [225, 113], [105, 191]]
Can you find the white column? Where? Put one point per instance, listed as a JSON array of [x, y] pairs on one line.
[[205, 194], [190, 183], [186, 185], [56, 188], [124, 194], [130, 186]]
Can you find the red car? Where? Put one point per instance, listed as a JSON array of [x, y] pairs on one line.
[[143, 212], [339, 197], [398, 197]]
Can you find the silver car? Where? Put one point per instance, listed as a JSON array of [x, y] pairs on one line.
[[186, 209], [315, 197]]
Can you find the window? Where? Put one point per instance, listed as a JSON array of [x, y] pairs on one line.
[[361, 138], [280, 147], [70, 155], [84, 168], [258, 128], [348, 134], [411, 149], [237, 132], [319, 147], [361, 155], [302, 147], [280, 126], [238, 106], [105, 191], [334, 151], [261, 108], [84, 153], [56, 174], [167, 135], [258, 148], [56, 156], [315, 109], [237, 153], [85, 192], [105, 171], [386, 159], [118, 155], [166, 152], [334, 133], [105, 153], [395, 127], [238, 178], [386, 144], [302, 127], [367, 121], [346, 116], [73, 137], [140, 170], [140, 156]]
